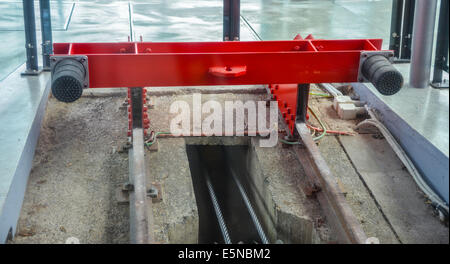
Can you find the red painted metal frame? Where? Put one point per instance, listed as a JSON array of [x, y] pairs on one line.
[[144, 64], [286, 96], [145, 120], [147, 64]]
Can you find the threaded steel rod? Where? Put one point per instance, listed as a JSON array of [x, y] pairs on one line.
[[212, 194], [255, 220]]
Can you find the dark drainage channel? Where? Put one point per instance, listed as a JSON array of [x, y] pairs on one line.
[[226, 211]]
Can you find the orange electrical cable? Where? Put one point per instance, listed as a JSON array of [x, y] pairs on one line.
[[331, 131]]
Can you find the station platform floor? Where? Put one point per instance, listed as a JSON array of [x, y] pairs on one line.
[[424, 111]]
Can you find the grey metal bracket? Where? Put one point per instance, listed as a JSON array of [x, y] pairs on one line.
[[45, 47], [122, 192], [441, 85], [155, 192], [30, 72], [367, 54], [80, 58]]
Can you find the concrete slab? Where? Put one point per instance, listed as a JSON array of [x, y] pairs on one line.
[[22, 107], [394, 190], [422, 109], [419, 120], [175, 218], [276, 179], [76, 170], [356, 193]]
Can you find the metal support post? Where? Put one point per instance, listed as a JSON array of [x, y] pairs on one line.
[[408, 23], [302, 102], [422, 45], [231, 20], [442, 44], [46, 30], [396, 27], [30, 38]]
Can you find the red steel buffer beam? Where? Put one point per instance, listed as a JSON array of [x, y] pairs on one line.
[[76, 66]]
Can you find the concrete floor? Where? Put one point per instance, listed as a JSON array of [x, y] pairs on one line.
[[421, 124], [162, 21], [76, 169], [423, 109], [372, 177]]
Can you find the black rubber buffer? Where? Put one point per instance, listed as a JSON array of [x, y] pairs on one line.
[[67, 80], [382, 74]]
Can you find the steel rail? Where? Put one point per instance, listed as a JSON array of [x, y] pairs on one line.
[[139, 203], [335, 207]]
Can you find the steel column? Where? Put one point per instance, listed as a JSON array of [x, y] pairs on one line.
[[302, 102], [231, 20], [30, 38], [131, 20], [422, 45], [396, 27], [442, 44], [46, 31], [408, 24]]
